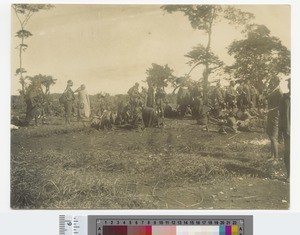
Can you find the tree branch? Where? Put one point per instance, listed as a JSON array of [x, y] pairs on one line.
[[194, 67], [214, 68], [18, 17], [175, 89], [27, 18]]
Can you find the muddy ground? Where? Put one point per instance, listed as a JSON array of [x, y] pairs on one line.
[[179, 166]]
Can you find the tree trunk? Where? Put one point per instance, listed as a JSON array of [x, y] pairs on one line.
[[21, 69], [207, 69]]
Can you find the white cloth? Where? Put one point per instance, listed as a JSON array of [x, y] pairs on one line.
[[84, 103]]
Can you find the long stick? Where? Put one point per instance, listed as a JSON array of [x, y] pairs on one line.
[[234, 135]]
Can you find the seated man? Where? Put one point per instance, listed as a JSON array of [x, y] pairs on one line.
[[229, 125]]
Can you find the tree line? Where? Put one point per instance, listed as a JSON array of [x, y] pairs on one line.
[[258, 57]]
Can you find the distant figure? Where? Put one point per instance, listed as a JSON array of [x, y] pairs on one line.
[[218, 96], [160, 100], [245, 120], [285, 127], [68, 103], [84, 106], [247, 92], [134, 97], [144, 95], [241, 97], [231, 96], [254, 96], [230, 125], [274, 99], [34, 103], [134, 94], [150, 95], [219, 101]]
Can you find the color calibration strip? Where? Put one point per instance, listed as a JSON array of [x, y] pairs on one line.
[[155, 225], [170, 227], [170, 230]]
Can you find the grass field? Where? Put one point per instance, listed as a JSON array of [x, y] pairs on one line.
[[176, 167]]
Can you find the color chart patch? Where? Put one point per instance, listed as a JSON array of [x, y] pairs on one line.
[[170, 227]]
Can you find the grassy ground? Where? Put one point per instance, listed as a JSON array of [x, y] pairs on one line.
[[179, 166]]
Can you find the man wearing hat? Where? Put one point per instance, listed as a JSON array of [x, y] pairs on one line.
[[274, 98], [69, 99], [284, 126]]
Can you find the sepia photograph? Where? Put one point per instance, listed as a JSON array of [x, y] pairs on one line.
[[150, 106]]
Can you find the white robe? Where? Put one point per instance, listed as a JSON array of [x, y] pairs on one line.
[[84, 104]]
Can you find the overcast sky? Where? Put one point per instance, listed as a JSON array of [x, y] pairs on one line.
[[109, 47]]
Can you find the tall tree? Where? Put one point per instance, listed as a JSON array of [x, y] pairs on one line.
[[203, 18], [24, 12], [258, 57]]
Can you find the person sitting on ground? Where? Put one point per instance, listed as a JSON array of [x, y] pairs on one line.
[[245, 114], [244, 122], [253, 110], [188, 111], [204, 116], [230, 125]]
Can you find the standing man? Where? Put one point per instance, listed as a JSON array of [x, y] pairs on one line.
[[34, 100], [135, 106], [150, 95], [274, 99], [231, 96], [247, 92], [69, 99], [134, 95], [241, 100], [160, 100], [254, 96], [218, 99], [144, 95], [284, 126]]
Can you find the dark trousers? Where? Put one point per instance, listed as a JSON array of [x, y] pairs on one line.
[[286, 139]]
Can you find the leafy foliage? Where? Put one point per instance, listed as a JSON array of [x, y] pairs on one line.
[[237, 16], [200, 16], [20, 70], [25, 8], [160, 75], [23, 13], [43, 82], [258, 57], [23, 34], [203, 17], [199, 55]]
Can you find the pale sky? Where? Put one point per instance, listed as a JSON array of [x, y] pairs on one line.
[[109, 47]]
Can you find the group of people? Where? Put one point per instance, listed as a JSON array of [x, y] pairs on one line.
[[244, 96], [68, 98], [244, 104], [148, 100], [233, 109]]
